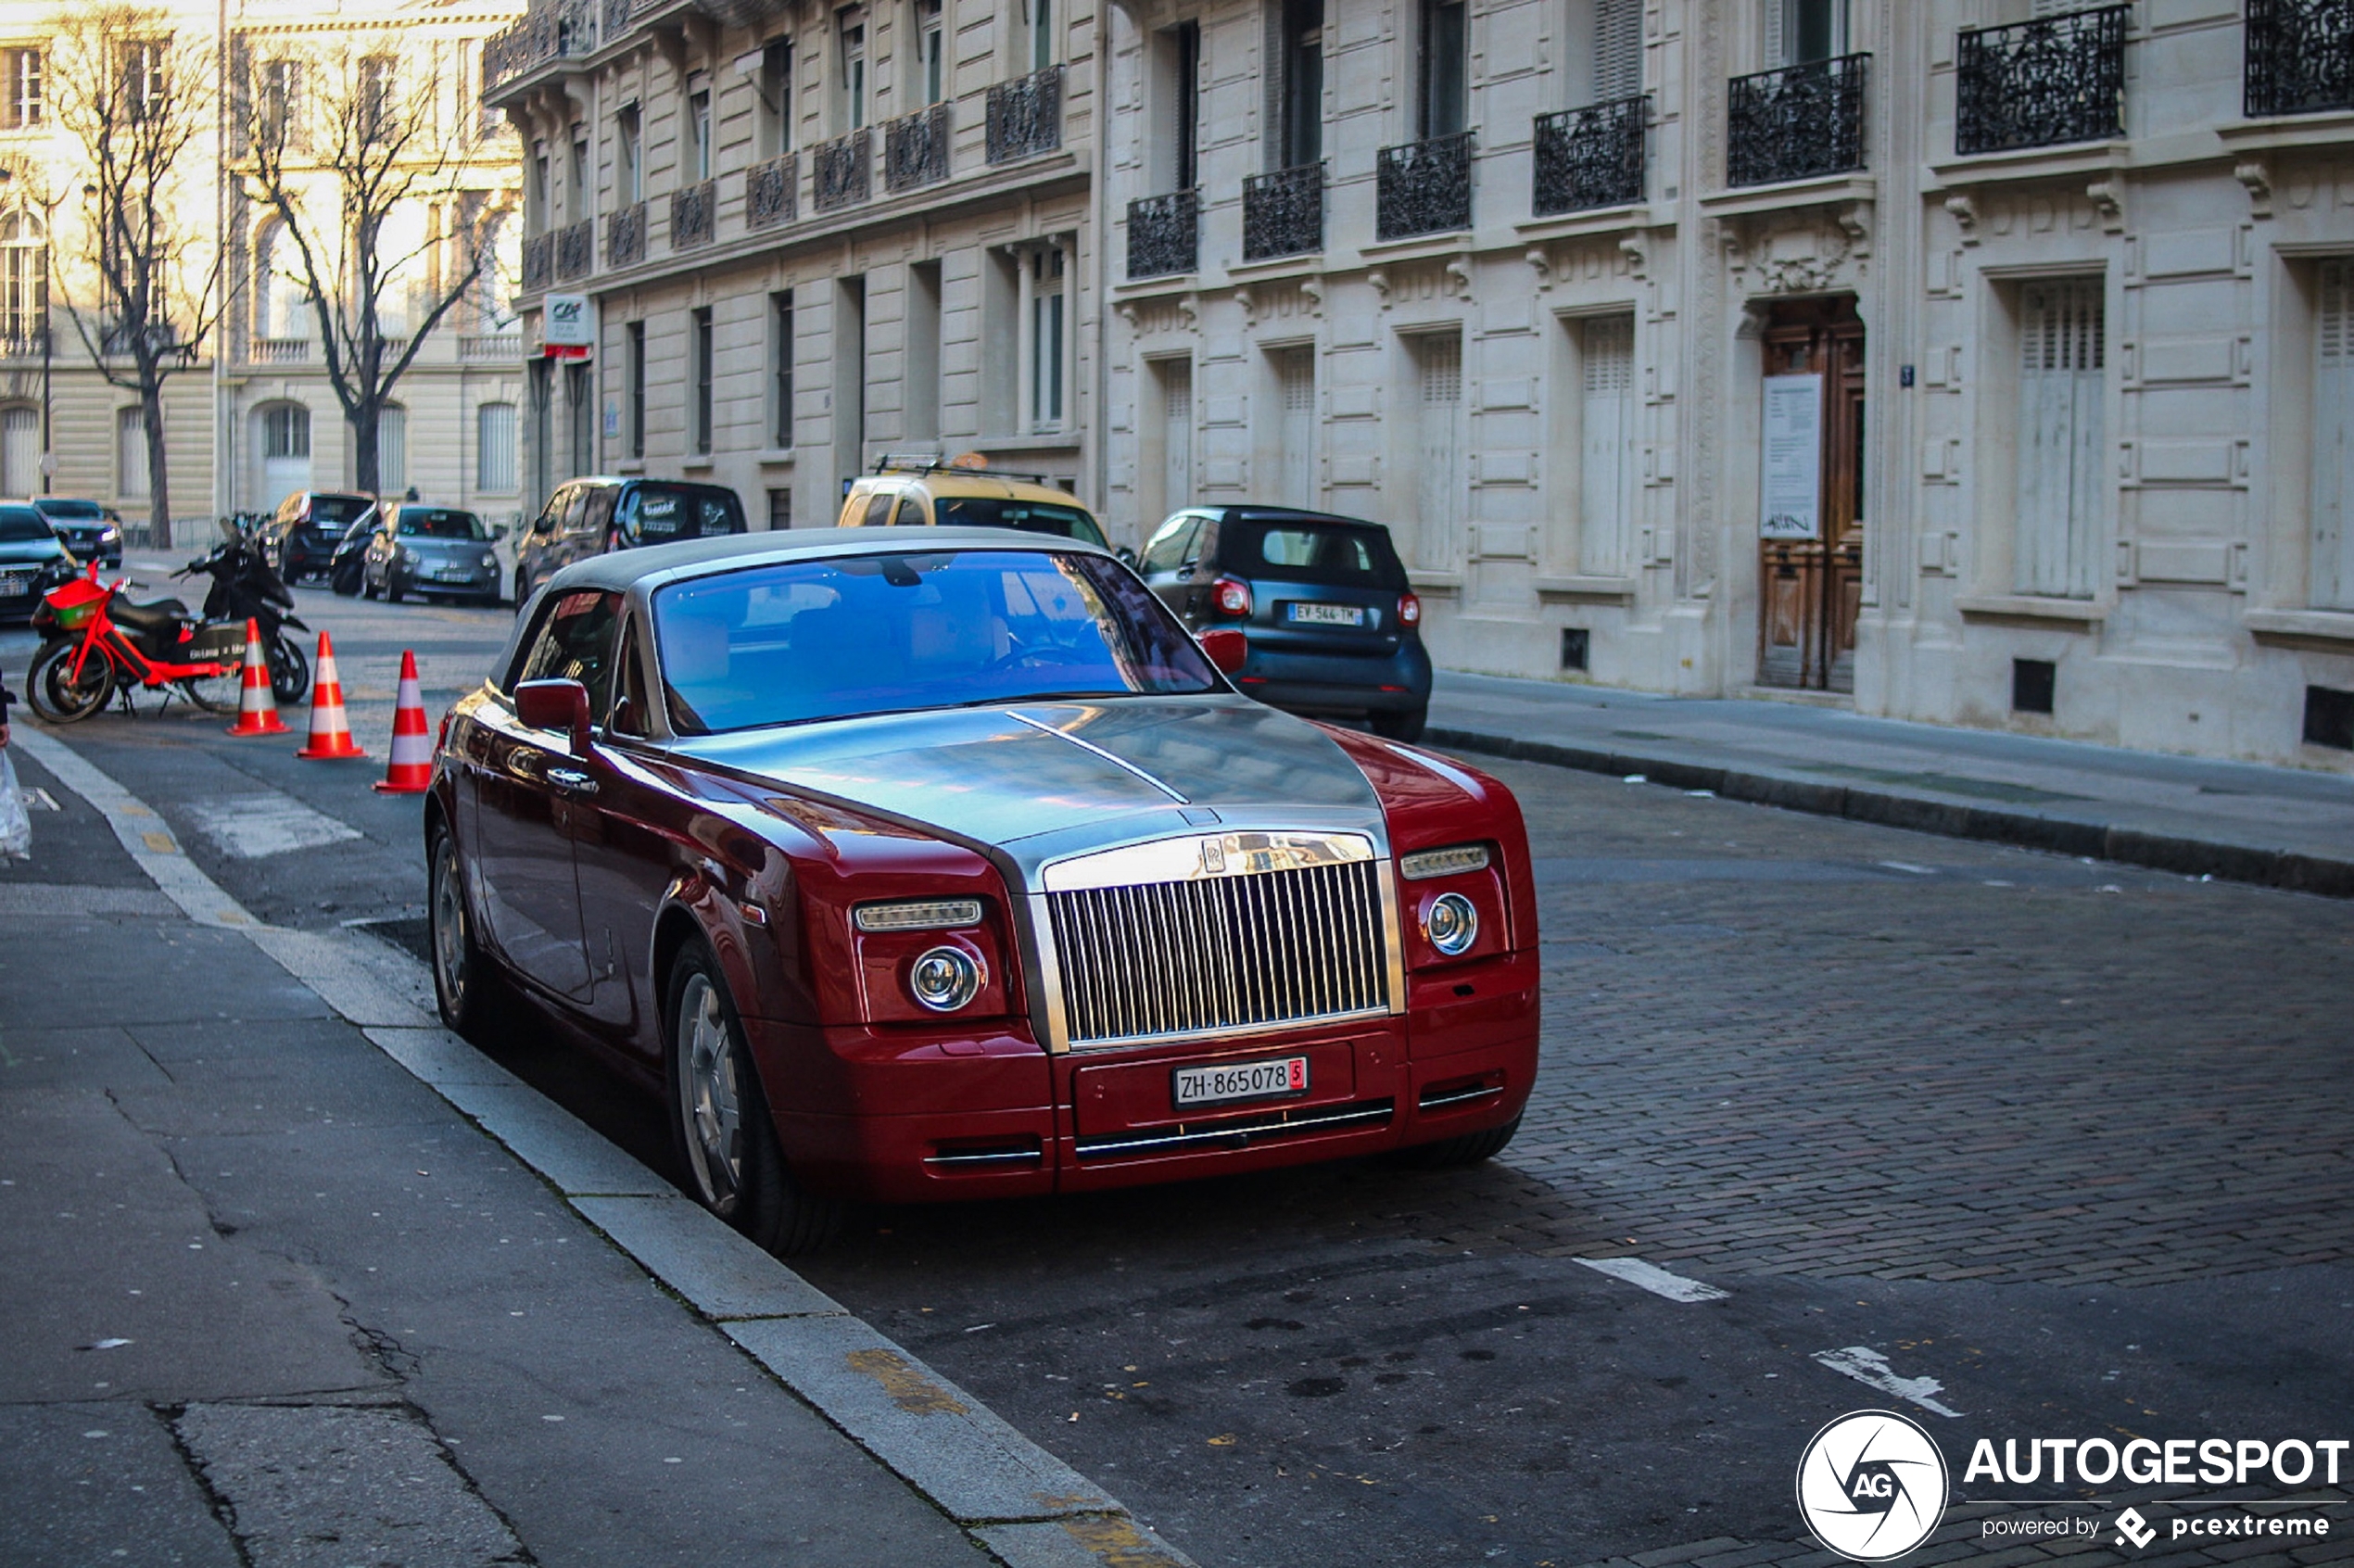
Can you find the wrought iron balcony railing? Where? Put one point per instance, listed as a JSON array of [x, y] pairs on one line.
[[694, 214], [915, 149], [1164, 235], [616, 21], [625, 235], [2039, 83], [839, 173], [1283, 213], [1423, 187], [1591, 156], [538, 260], [1796, 123], [2300, 56], [550, 29], [1026, 116], [576, 249], [769, 193]]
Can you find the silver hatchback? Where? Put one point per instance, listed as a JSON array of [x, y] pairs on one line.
[[432, 552]]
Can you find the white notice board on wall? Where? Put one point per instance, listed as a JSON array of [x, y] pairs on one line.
[[1790, 490]]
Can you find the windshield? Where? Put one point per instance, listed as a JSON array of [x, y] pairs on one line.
[[72, 510], [333, 512], [1303, 551], [439, 523], [1031, 517], [18, 523], [660, 513], [886, 634]]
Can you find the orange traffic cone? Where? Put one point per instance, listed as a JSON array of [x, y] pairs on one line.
[[257, 706], [330, 729], [409, 771]]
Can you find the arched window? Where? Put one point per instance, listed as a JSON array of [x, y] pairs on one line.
[[24, 276], [281, 298], [281, 440]]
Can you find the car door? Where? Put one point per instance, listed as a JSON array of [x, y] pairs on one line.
[[622, 856], [1167, 563], [588, 523], [531, 791]]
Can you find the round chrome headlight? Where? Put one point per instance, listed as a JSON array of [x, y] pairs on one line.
[[1452, 924], [945, 979]]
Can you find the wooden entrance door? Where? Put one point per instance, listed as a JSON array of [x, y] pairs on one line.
[[1809, 590]]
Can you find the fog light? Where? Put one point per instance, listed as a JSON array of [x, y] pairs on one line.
[[1452, 924], [945, 979]]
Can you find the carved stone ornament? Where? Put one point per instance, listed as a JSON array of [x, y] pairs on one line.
[[1540, 263], [2257, 175], [1964, 207], [1249, 306], [1379, 280], [2110, 202]]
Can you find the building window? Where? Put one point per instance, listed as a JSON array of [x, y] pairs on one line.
[[392, 448], [278, 99], [21, 77], [1444, 103], [495, 449], [1176, 107], [775, 99], [579, 195], [1041, 17], [379, 105], [143, 89], [1439, 375], [931, 65], [699, 136], [633, 370], [537, 211], [2062, 479], [131, 453], [1296, 88], [580, 404], [629, 155], [922, 337], [780, 508], [496, 278], [1176, 386], [780, 352], [1044, 278], [2332, 543], [1618, 49], [851, 83], [1801, 31], [1606, 456], [286, 431], [1295, 396], [702, 352], [24, 277]]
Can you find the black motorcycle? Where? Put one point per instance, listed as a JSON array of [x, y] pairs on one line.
[[245, 587]]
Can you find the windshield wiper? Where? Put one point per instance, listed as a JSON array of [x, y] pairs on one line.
[[1015, 700]]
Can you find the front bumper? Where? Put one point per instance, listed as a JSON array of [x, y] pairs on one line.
[[893, 1115], [480, 580]]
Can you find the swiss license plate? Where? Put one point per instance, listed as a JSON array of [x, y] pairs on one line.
[[1328, 614], [1229, 1081]]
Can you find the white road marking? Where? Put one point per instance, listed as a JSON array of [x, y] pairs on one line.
[[1870, 1368], [265, 822], [1653, 1278], [1909, 866]]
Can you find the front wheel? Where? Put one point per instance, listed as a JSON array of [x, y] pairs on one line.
[[57, 694], [719, 1119], [1469, 1148], [465, 988], [1401, 724], [289, 670]]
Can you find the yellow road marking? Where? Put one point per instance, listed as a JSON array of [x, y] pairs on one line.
[[908, 1388]]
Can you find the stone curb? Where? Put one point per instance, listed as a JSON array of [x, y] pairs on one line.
[[1926, 813]]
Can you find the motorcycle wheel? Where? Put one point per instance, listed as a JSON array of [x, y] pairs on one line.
[[215, 694], [289, 671], [56, 696]]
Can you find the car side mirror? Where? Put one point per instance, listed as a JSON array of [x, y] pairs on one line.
[[498, 531], [1127, 556], [1226, 646], [556, 704]]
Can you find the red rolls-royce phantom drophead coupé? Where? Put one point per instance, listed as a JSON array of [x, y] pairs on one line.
[[950, 866]]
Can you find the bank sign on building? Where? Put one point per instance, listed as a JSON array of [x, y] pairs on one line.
[[1973, 360]]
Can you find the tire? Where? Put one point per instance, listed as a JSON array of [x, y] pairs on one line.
[[367, 589], [523, 589], [1406, 725], [392, 590], [346, 583], [466, 989], [60, 700], [1471, 1148], [719, 1123], [289, 670], [216, 694]]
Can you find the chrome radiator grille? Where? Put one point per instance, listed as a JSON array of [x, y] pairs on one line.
[[1221, 953]]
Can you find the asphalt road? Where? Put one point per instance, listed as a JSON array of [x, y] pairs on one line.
[[2065, 1139]]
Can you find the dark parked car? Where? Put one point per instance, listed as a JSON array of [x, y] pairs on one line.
[[302, 534], [587, 517], [428, 551], [91, 531], [1323, 600], [951, 868], [349, 563], [33, 560]]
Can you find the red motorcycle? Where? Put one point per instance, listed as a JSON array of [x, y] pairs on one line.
[[94, 642]]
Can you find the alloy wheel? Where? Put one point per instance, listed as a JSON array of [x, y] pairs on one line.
[[710, 1099]]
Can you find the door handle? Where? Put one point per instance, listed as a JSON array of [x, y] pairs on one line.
[[572, 778]]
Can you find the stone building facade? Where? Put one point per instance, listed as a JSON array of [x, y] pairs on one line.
[[803, 236], [1980, 361]]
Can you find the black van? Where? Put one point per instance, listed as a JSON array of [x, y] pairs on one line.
[[590, 516]]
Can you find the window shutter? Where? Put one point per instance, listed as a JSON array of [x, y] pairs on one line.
[[2331, 574], [1272, 55], [1777, 51], [2062, 480], [1606, 470], [1297, 367], [1618, 49], [1440, 365]]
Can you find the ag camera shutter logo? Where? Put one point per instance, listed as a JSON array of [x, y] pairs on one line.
[[1872, 1486]]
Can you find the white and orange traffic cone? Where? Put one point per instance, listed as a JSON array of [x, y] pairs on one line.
[[409, 770], [330, 727], [257, 704]]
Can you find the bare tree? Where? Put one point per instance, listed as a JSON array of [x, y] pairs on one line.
[[137, 102], [367, 168]]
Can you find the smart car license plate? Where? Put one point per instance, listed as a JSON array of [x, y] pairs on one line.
[[1328, 614], [1229, 1081]]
